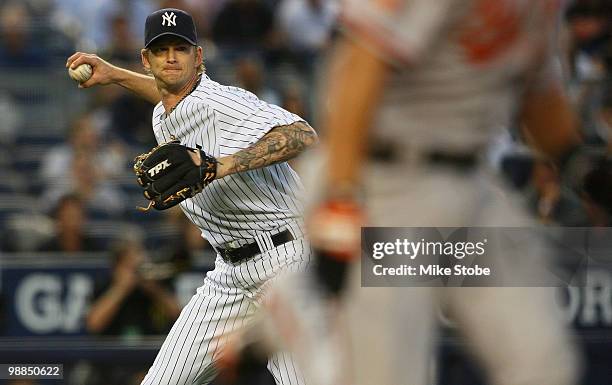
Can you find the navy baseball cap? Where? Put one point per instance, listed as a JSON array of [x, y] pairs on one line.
[[170, 21]]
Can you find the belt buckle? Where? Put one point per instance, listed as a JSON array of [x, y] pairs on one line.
[[232, 245], [229, 249]]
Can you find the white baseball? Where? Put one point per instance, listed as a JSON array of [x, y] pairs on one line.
[[81, 74]]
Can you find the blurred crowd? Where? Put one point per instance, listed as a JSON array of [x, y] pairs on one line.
[[68, 187]]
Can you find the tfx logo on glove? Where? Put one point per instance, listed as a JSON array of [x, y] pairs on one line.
[[158, 167]]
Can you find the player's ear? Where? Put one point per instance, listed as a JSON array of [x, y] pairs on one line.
[[199, 56], [145, 59]]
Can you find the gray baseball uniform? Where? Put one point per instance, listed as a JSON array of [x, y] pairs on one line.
[[461, 68]]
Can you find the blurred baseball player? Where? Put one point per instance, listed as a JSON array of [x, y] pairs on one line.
[[251, 212], [438, 78]]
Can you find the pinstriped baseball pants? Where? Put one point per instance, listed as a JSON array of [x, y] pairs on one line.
[[229, 298]]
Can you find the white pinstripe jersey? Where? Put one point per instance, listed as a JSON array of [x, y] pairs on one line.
[[221, 120]]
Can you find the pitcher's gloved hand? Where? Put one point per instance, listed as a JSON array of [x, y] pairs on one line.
[[171, 173]]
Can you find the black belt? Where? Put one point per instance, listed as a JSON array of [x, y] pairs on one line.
[[464, 161], [248, 251]]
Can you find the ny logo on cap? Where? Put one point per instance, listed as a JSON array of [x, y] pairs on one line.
[[169, 19]]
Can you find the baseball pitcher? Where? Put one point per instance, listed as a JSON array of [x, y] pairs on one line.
[[222, 158]]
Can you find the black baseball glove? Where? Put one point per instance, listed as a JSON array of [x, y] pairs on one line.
[[169, 174]]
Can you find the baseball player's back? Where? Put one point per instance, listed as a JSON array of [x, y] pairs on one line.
[[437, 78], [461, 64]]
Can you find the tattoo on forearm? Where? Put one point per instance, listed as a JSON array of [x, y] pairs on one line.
[[280, 144]]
